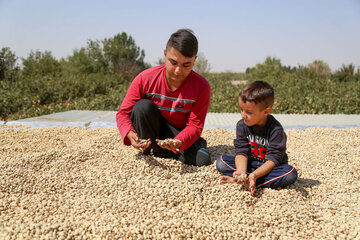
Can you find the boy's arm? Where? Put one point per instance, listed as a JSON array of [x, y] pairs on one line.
[[261, 171], [241, 163], [241, 167]]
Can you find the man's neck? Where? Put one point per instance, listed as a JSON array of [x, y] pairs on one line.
[[173, 85]]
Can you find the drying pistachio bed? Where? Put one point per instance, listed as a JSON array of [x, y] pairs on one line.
[[77, 183]]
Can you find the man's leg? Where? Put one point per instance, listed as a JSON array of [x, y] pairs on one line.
[[279, 177], [146, 119], [148, 122], [197, 154]]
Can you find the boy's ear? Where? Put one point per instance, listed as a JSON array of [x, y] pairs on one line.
[[267, 110]]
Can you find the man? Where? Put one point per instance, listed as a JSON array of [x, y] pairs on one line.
[[168, 101]]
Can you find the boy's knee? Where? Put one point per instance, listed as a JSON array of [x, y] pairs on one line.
[[220, 166], [291, 177]]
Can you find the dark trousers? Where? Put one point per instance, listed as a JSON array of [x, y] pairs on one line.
[[280, 176], [149, 123]]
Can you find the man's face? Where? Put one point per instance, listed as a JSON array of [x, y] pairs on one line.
[[178, 66], [252, 114]]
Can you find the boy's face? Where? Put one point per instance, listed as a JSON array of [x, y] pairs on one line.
[[252, 113], [178, 66]]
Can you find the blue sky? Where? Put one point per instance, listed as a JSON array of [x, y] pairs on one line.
[[232, 34]]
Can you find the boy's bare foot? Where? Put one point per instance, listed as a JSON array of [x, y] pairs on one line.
[[227, 179]]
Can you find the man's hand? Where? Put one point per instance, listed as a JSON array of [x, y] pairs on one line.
[[135, 141], [170, 144]]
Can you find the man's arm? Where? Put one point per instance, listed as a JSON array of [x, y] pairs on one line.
[[196, 120], [123, 121]]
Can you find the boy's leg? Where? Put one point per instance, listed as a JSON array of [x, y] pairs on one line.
[[280, 176], [226, 165]]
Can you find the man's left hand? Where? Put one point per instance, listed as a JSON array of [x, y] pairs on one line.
[[170, 144]]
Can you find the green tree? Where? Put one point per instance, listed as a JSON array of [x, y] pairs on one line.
[[289, 69], [8, 66], [346, 74], [87, 60], [119, 55], [201, 64], [320, 69], [271, 68], [41, 64]]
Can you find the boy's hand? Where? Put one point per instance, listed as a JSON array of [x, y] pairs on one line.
[[240, 177], [136, 142], [170, 144], [252, 182]]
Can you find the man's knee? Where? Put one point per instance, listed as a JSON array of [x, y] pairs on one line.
[[145, 111]]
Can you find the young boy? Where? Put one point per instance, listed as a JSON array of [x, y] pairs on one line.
[[260, 144]]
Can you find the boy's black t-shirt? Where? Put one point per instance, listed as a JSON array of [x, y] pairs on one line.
[[262, 143]]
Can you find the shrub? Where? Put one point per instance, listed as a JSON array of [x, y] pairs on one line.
[[8, 68], [40, 64]]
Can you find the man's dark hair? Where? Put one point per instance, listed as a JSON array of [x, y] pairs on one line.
[[259, 92], [184, 41]]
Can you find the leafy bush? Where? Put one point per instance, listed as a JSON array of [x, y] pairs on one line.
[[270, 69], [347, 74], [309, 89], [224, 95], [89, 80], [8, 68], [46, 94], [40, 64], [117, 55]]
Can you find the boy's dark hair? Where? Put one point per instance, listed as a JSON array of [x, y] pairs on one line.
[[184, 41], [259, 92]]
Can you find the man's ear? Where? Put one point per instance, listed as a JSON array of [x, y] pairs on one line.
[[165, 53]]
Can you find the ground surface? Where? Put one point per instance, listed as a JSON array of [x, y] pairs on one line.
[[78, 183]]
